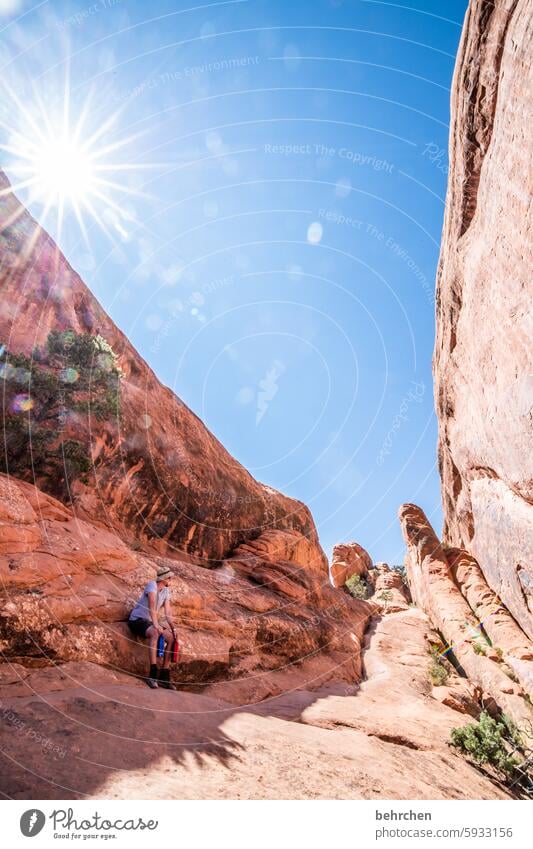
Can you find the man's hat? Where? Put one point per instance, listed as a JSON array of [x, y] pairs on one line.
[[164, 572]]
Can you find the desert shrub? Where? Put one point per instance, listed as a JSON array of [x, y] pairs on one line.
[[385, 595], [499, 652], [509, 672], [437, 672], [478, 648], [357, 587], [48, 400], [488, 742]]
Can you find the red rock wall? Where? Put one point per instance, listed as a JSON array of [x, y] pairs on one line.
[[483, 362], [172, 481], [465, 614], [67, 587]]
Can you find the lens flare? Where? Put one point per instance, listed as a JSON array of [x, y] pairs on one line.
[[7, 371], [105, 362], [69, 375], [21, 404]]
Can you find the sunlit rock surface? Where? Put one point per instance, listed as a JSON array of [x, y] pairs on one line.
[[462, 614], [160, 475], [483, 361]]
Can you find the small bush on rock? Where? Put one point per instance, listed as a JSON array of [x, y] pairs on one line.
[[488, 742], [384, 595], [437, 672], [50, 402], [357, 587]]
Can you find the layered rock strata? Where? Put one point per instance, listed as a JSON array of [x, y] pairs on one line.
[[463, 629], [67, 587]]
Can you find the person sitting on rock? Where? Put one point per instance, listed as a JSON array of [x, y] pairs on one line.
[[144, 622]]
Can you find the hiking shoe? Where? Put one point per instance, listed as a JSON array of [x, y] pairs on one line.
[[152, 683], [164, 680]]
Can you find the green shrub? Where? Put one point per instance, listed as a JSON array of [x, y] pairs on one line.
[[384, 595], [49, 400], [478, 648], [488, 742], [357, 587], [437, 672]]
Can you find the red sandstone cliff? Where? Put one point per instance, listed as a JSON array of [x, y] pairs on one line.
[[483, 362], [172, 482], [70, 573], [477, 586], [264, 623]]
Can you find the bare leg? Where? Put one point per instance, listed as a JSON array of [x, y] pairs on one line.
[[153, 636], [168, 648]]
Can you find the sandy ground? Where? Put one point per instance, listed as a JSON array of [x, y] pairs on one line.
[[83, 732]]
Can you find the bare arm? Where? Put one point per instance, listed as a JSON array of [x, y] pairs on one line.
[[152, 604], [168, 616]]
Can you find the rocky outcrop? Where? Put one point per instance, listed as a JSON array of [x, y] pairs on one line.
[[389, 592], [159, 475], [67, 587], [508, 640], [463, 630], [483, 361], [348, 559]]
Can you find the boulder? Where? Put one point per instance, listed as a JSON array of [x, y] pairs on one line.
[[349, 559], [460, 697]]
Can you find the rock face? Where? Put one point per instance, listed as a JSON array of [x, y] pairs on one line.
[[349, 559], [483, 363], [164, 491], [389, 591], [163, 477], [68, 586], [270, 651], [465, 611]]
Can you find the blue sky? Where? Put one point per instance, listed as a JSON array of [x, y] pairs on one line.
[[275, 263]]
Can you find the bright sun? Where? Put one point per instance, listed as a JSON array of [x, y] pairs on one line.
[[63, 172], [62, 165]]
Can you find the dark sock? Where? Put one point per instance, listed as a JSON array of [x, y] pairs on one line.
[[164, 675], [153, 670]]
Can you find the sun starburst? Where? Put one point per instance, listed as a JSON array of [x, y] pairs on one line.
[[63, 165]]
